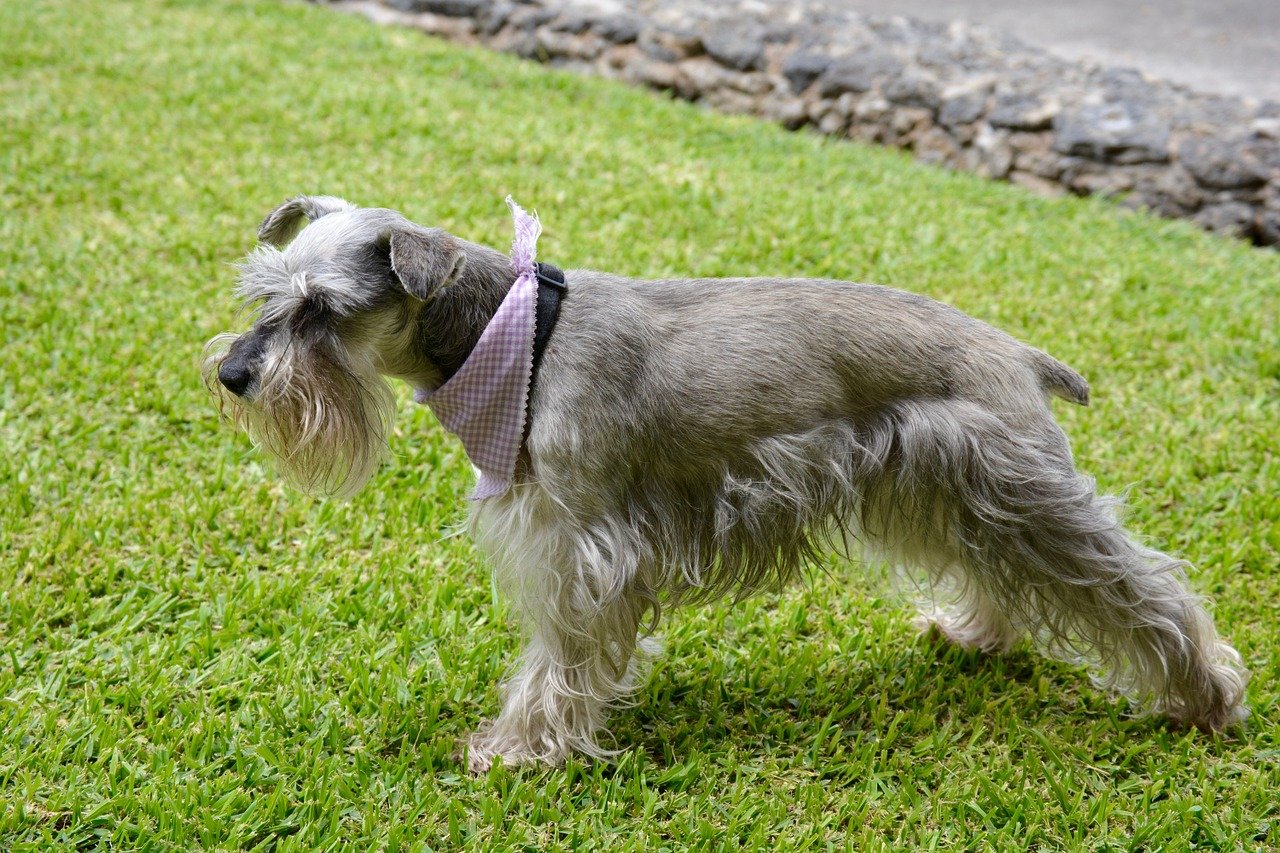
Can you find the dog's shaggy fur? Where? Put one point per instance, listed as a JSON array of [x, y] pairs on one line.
[[691, 439]]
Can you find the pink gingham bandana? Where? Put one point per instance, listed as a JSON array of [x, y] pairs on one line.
[[485, 402]]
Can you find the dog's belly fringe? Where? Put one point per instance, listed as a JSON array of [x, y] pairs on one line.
[[750, 528], [877, 488]]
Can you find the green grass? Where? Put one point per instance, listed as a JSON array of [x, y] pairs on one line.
[[193, 657]]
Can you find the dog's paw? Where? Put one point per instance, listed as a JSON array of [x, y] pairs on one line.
[[967, 632], [488, 745], [485, 748], [478, 762], [477, 753]]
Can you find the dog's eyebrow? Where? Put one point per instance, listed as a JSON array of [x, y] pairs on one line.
[[310, 310], [299, 282]]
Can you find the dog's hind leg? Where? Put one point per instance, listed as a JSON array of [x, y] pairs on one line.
[[582, 611], [971, 619], [1033, 538]]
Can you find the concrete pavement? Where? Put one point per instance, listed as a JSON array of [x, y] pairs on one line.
[[1227, 46]]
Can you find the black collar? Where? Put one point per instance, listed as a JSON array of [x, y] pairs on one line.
[[551, 288]]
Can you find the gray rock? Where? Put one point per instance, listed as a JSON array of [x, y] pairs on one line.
[[1268, 228], [802, 67], [529, 18], [1023, 111], [909, 122], [557, 44], [754, 83], [1266, 149], [494, 18], [1234, 218], [786, 111], [702, 75], [936, 146], [1123, 132], [872, 108], [1129, 84], [915, 88], [1271, 197], [522, 43], [781, 31], [448, 8], [574, 22], [737, 45], [964, 107], [604, 20], [996, 155], [733, 102], [620, 29], [846, 105], [816, 109], [1170, 192], [1043, 162], [670, 45], [859, 73], [651, 72], [1222, 164], [1103, 182], [832, 123]]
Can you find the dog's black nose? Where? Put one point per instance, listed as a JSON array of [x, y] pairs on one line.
[[235, 375]]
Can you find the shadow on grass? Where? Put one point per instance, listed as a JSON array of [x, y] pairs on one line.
[[926, 689]]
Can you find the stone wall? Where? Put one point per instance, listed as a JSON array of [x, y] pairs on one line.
[[956, 95]]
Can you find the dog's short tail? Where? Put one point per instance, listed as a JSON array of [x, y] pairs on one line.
[[1060, 380]]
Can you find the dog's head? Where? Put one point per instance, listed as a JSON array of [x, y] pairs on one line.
[[337, 292]]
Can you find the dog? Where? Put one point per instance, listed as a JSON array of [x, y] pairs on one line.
[[687, 439]]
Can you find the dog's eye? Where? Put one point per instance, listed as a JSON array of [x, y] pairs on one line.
[[310, 313]]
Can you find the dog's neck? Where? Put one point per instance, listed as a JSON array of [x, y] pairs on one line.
[[451, 323]]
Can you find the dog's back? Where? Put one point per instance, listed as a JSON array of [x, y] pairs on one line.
[[728, 359]]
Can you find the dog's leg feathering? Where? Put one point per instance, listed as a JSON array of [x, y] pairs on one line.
[[582, 610], [1026, 547]]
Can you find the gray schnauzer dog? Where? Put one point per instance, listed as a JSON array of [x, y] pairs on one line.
[[692, 438]]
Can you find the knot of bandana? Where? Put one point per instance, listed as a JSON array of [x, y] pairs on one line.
[[486, 402]]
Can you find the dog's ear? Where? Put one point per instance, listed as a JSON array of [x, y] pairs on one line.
[[426, 260], [284, 223]]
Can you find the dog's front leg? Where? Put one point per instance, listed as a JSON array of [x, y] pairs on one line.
[[558, 699], [582, 610]]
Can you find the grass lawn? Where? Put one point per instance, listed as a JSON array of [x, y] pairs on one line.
[[193, 657]]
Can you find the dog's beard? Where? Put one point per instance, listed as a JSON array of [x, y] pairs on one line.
[[325, 423]]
